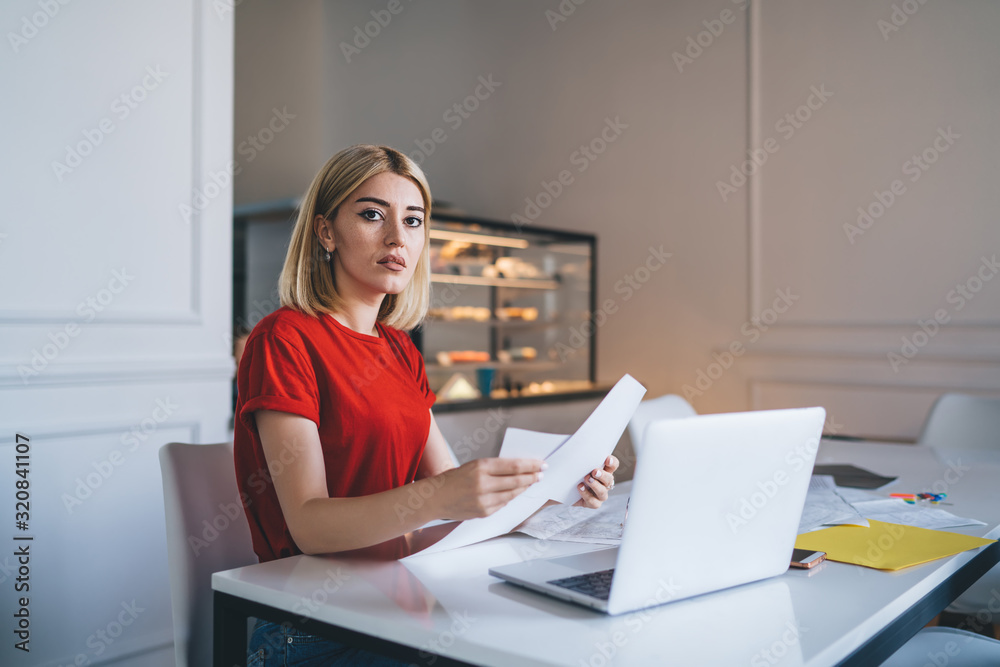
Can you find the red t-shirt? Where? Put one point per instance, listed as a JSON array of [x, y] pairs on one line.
[[368, 396]]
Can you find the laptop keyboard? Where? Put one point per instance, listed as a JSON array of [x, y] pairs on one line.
[[594, 584]]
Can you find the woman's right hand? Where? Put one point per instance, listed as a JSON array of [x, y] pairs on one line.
[[481, 487]]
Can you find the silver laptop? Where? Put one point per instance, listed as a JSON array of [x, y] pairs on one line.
[[715, 502]]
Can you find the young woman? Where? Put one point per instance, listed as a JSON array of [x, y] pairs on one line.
[[334, 430]]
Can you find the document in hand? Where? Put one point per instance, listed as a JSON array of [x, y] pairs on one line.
[[887, 546], [570, 459]]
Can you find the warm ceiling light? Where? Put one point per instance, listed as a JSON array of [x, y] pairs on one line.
[[501, 241]]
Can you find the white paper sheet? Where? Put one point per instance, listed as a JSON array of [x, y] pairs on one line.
[[568, 464], [894, 510], [519, 443], [824, 506]]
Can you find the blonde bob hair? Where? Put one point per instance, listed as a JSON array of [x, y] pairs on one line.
[[307, 281]]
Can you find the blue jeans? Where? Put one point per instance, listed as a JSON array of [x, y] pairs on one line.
[[274, 645]]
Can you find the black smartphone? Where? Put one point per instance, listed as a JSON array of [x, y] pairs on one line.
[[805, 558]]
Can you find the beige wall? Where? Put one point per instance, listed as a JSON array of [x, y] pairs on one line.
[[688, 124]]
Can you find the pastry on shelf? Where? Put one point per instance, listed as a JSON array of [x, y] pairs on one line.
[[517, 354], [511, 313], [476, 313], [462, 356]]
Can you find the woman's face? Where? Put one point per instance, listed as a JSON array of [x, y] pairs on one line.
[[377, 237]]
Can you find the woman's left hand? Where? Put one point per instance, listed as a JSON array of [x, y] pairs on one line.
[[595, 486]]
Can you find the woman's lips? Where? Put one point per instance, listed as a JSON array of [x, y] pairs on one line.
[[393, 263]]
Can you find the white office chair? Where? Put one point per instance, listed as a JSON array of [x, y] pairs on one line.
[[960, 422], [206, 532], [668, 406], [946, 646]]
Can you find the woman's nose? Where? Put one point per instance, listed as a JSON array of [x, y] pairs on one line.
[[394, 234]]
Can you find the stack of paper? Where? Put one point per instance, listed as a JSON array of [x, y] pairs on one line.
[[566, 523], [828, 504], [826, 507]]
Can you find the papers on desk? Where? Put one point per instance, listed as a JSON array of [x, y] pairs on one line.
[[887, 546], [828, 504], [570, 459], [825, 507], [566, 523]]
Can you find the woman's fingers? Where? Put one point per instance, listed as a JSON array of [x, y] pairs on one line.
[[485, 485]]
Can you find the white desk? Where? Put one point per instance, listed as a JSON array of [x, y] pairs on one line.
[[445, 609]]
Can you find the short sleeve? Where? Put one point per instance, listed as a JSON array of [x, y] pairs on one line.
[[275, 374]]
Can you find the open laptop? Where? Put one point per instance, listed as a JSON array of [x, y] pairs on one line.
[[715, 503]]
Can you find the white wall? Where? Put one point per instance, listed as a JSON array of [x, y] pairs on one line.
[[115, 305], [689, 124]]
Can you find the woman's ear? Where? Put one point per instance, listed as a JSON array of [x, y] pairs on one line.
[[323, 228]]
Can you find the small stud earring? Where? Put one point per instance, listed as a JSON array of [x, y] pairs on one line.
[[326, 256]]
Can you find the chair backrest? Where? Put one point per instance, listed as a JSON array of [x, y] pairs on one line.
[[962, 421], [668, 406], [206, 532]]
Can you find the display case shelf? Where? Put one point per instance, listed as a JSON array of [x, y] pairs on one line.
[[544, 279], [516, 283]]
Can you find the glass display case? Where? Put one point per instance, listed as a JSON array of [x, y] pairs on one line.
[[510, 313]]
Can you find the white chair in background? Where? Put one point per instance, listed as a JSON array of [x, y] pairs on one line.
[[668, 406], [201, 502], [965, 423], [946, 646]]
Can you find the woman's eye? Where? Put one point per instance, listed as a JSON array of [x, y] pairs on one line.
[[414, 222], [371, 214]]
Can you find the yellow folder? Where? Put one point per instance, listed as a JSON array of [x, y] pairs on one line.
[[886, 546]]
